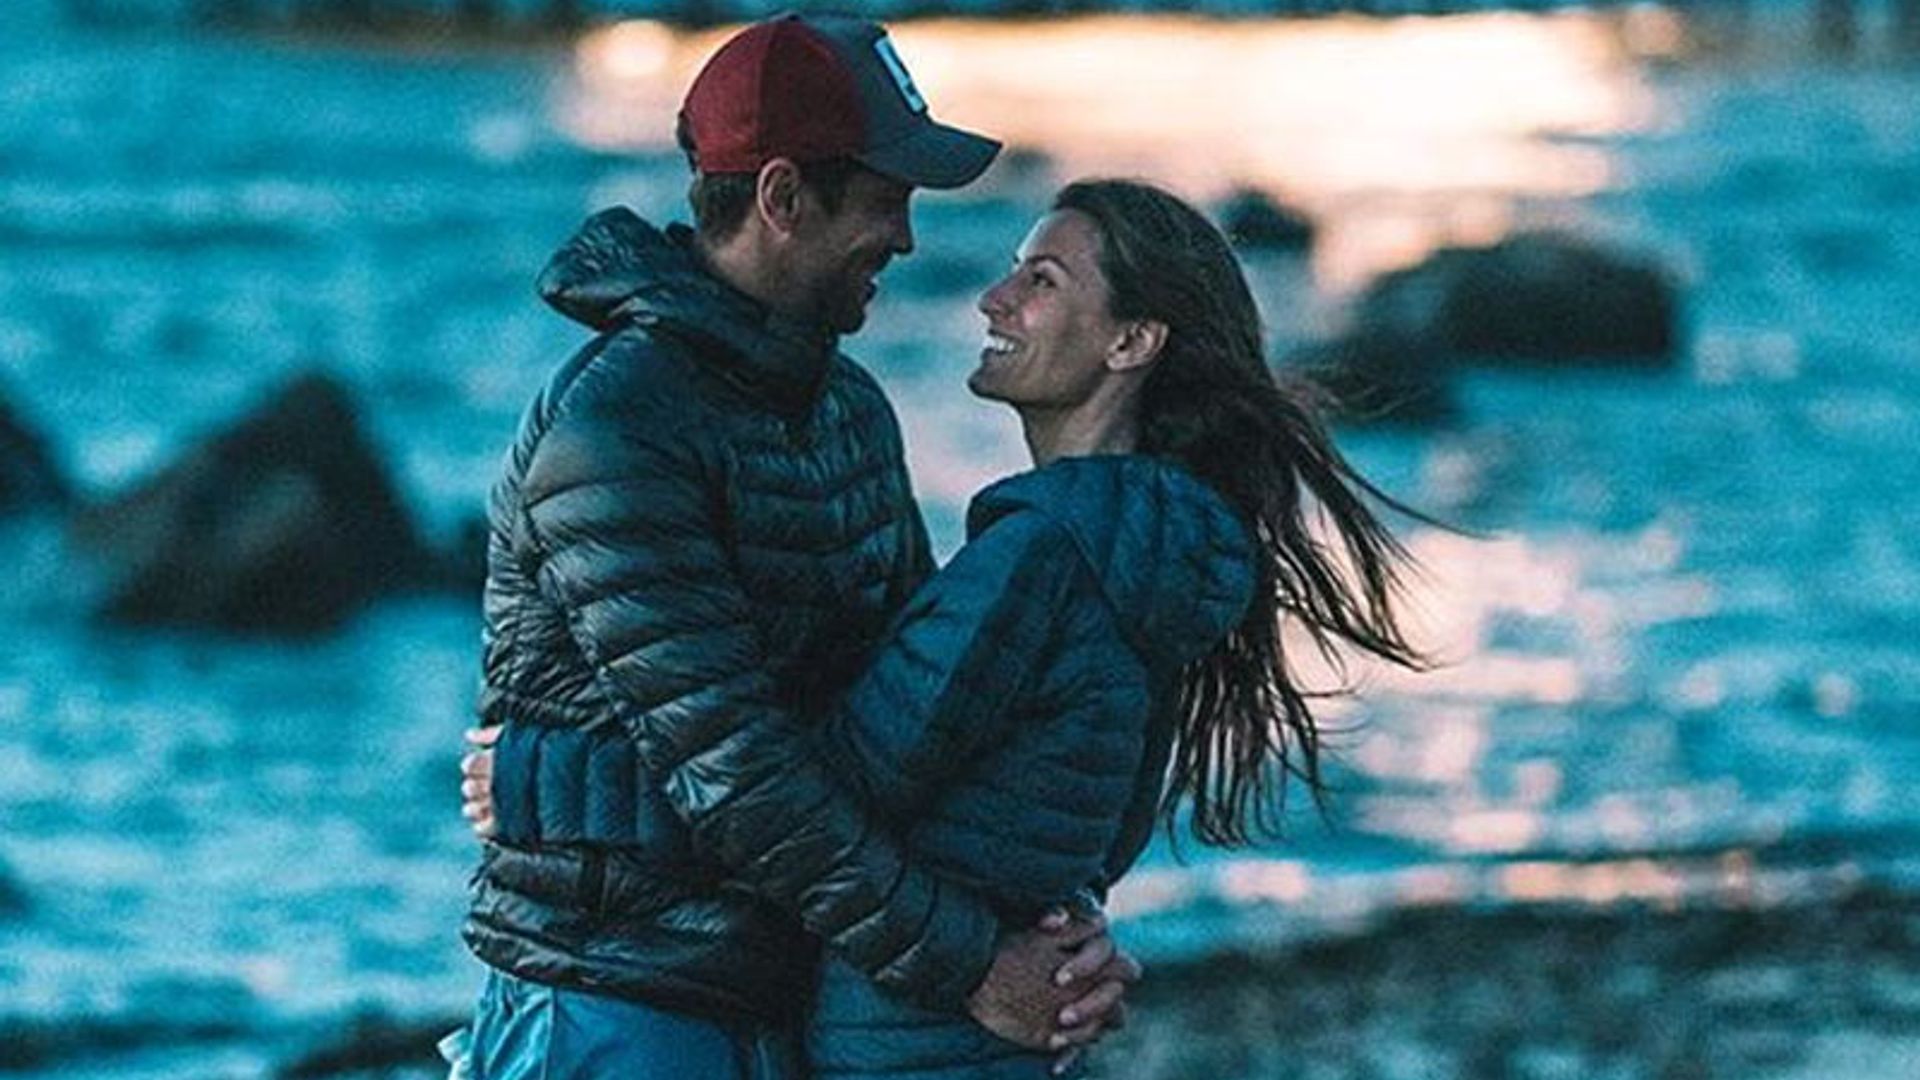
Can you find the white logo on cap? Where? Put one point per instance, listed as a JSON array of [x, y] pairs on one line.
[[898, 70]]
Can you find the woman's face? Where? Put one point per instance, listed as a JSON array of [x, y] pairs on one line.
[[1049, 332]]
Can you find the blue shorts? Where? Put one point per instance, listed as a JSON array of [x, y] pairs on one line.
[[525, 1031]]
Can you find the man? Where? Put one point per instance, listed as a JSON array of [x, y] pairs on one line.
[[703, 527]]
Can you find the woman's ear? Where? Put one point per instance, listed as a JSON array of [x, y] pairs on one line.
[[776, 195], [1138, 346]]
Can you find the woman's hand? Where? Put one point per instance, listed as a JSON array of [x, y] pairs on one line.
[[1057, 987], [476, 780]]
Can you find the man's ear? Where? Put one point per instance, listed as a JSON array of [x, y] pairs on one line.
[[776, 195], [1138, 345]]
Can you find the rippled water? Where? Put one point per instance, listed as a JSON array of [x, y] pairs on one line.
[[1683, 663]]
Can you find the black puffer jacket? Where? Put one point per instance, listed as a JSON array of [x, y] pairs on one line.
[[703, 527]]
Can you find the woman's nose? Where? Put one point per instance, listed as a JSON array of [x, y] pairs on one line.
[[994, 298]]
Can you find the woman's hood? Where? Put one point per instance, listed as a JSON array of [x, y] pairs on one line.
[[1170, 555]]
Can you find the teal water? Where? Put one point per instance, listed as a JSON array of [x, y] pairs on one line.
[[1685, 671]]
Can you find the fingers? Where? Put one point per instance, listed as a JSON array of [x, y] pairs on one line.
[[477, 773], [1122, 967], [1078, 1035], [1054, 921], [479, 818], [485, 736], [474, 800], [1092, 1008], [1087, 1021], [1088, 959], [476, 783], [1078, 932], [1079, 926]]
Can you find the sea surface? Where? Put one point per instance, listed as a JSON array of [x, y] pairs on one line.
[[1681, 662]]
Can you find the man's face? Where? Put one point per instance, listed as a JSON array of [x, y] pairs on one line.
[[839, 253]]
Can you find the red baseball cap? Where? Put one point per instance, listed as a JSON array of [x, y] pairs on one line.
[[811, 87]]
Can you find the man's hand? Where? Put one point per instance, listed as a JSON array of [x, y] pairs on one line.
[[476, 780], [1056, 987]]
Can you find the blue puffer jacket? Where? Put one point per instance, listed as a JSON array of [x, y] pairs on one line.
[[703, 529], [1016, 728]]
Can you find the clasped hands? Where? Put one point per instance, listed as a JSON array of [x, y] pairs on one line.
[[1058, 987]]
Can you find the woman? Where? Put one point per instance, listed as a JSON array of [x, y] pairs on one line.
[[1107, 646]]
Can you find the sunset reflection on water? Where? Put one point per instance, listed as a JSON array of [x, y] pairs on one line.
[[1396, 135], [1533, 636], [1353, 902]]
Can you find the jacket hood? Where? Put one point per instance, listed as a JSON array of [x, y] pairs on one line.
[[1172, 558], [617, 268]]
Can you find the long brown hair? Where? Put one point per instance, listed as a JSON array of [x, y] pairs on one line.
[[1212, 404]]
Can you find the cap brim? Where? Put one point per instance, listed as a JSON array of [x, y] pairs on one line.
[[936, 156]]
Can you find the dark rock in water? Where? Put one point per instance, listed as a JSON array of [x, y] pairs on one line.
[[200, 1012], [1375, 380], [458, 563], [1534, 298], [1843, 250], [1538, 297], [1025, 162], [375, 1043], [1023, 176], [13, 898], [285, 521], [1254, 220], [28, 476]]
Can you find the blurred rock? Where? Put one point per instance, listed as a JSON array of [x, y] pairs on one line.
[[1841, 250], [1253, 220], [1021, 177], [28, 476], [64, 1045], [285, 521], [13, 898], [1540, 297], [375, 1044], [1374, 380], [1836, 27], [1535, 298], [458, 563]]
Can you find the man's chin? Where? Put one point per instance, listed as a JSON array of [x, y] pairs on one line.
[[849, 322]]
